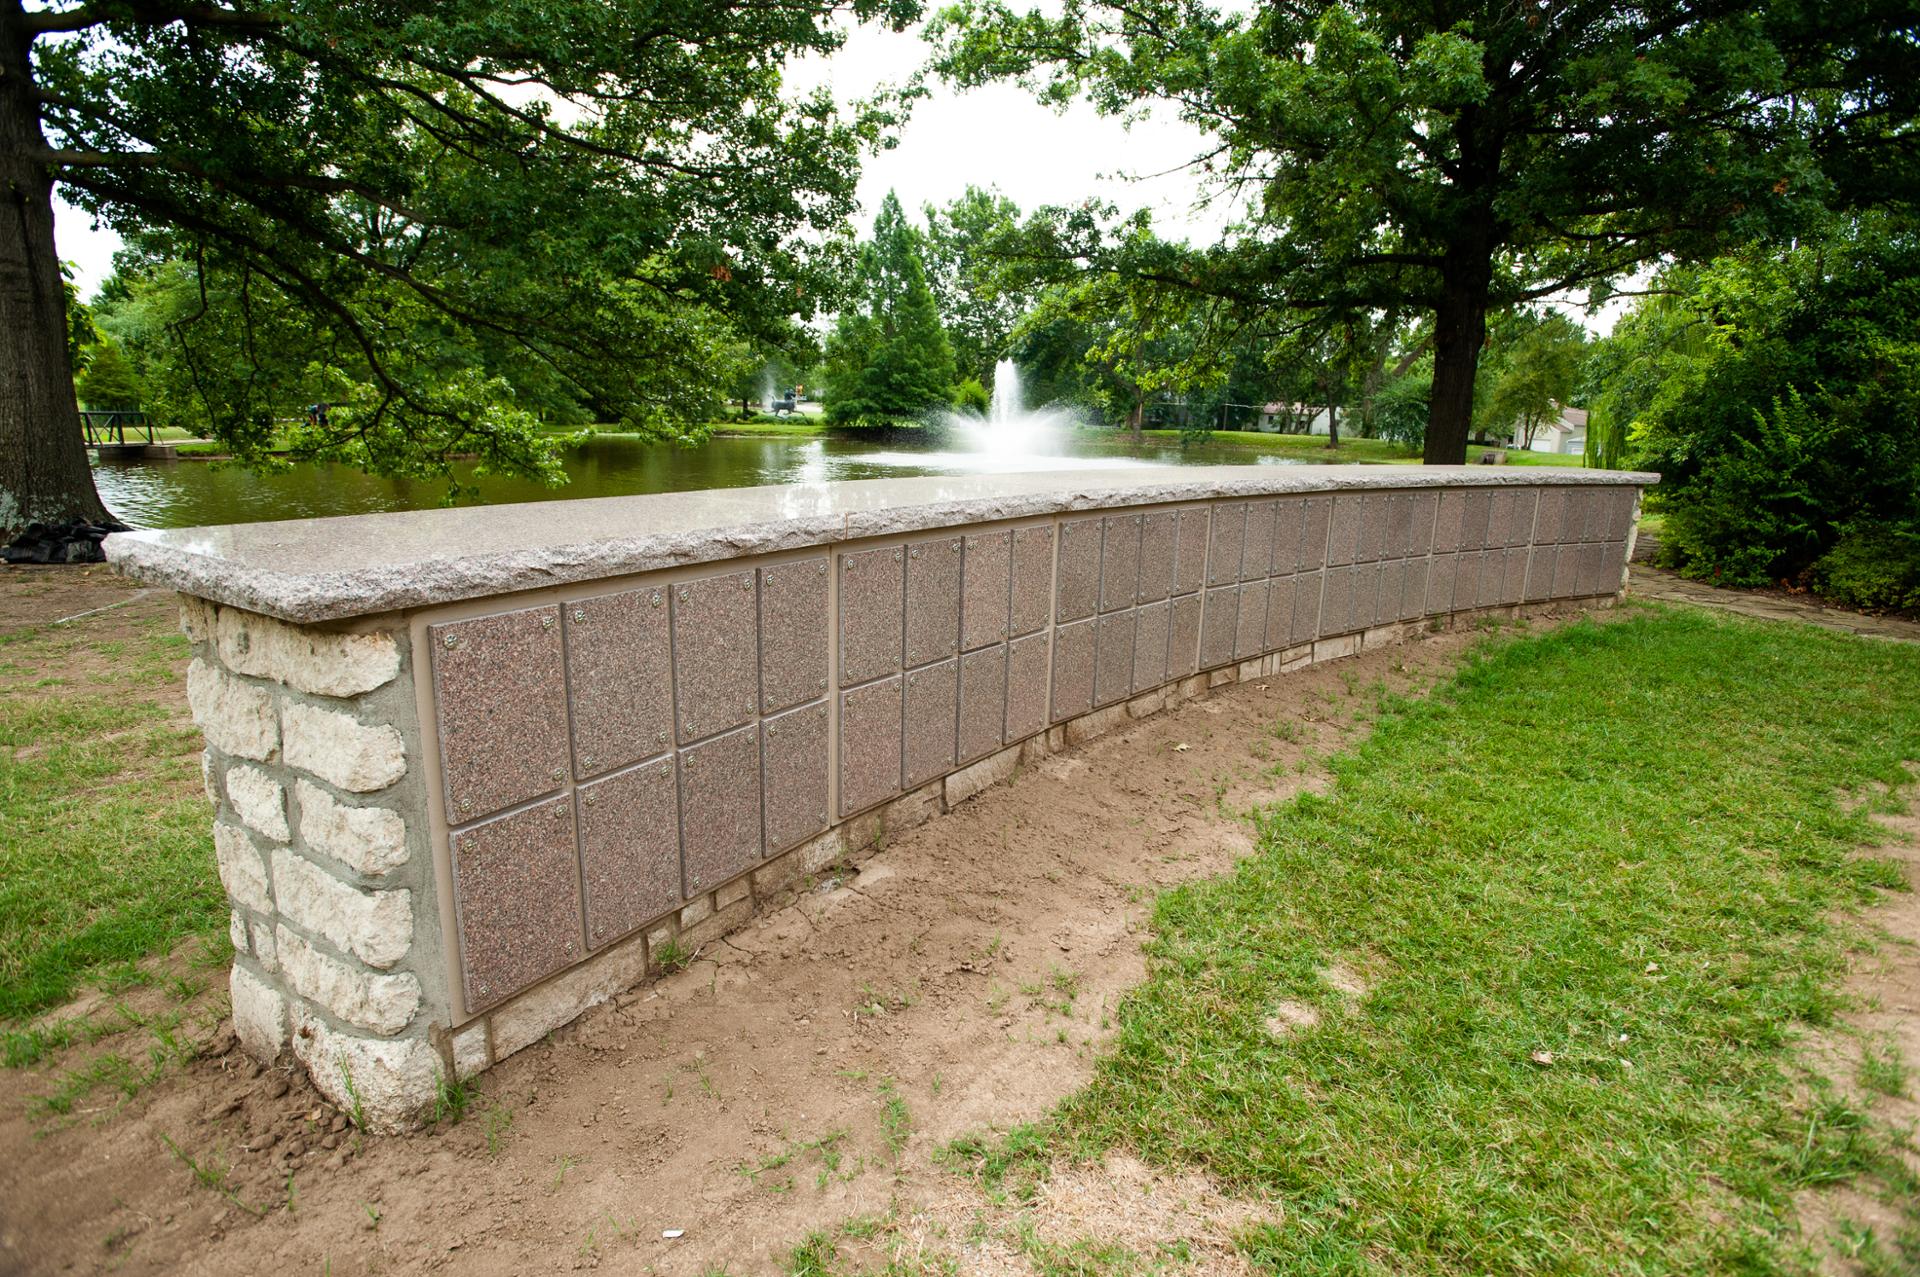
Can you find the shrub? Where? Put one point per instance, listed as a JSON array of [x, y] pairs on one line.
[[1872, 566], [971, 394]]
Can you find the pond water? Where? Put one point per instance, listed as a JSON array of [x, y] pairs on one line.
[[187, 493]]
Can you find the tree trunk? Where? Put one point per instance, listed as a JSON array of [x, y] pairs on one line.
[[1333, 425], [1136, 417], [43, 458], [1459, 331]]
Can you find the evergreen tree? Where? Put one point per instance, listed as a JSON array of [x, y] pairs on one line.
[[109, 381], [888, 359]]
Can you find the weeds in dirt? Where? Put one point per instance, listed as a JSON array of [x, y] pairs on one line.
[[499, 1120], [451, 1098], [356, 1109], [1883, 1069], [562, 1163], [211, 1175], [827, 1147], [896, 1120], [671, 957]]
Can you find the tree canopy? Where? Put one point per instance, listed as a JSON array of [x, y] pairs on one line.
[[451, 199], [1461, 157]]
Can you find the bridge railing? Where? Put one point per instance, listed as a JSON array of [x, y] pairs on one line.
[[112, 425]]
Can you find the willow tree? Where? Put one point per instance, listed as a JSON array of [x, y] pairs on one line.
[[597, 186], [1460, 156]]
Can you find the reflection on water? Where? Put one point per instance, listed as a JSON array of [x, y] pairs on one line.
[[180, 494]]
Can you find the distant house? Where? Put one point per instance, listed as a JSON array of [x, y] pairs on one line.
[[1293, 419], [1565, 437]]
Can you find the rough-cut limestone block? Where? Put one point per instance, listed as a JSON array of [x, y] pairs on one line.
[[260, 801], [264, 948], [237, 931], [313, 661], [991, 770], [471, 1053], [236, 717], [259, 1014], [384, 1004], [914, 809], [1099, 723], [197, 619], [341, 750], [210, 776], [374, 926], [539, 1011], [384, 1084], [243, 872], [367, 840]]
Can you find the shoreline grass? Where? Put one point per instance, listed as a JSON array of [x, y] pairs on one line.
[[1591, 893]]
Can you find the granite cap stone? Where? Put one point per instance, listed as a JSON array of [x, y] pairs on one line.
[[315, 570]]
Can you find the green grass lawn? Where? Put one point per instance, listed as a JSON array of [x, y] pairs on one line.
[[1584, 900], [106, 853]]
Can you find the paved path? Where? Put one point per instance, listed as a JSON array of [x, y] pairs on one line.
[[1646, 582]]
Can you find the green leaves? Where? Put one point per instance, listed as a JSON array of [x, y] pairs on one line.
[[459, 215]]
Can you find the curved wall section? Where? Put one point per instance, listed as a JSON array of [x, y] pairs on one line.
[[584, 753]]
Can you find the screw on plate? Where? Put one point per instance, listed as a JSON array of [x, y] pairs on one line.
[[660, 737], [480, 986], [569, 946], [822, 568], [687, 728], [954, 546], [772, 730], [466, 804], [586, 760], [451, 641], [896, 554], [591, 799], [685, 594], [666, 769], [546, 622], [579, 614], [820, 683], [914, 553], [746, 582], [557, 773], [656, 598]]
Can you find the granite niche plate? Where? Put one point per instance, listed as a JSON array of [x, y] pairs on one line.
[[872, 594], [720, 809], [793, 633], [985, 572], [619, 678], [1028, 661], [1120, 562], [1159, 533], [629, 849], [1256, 556], [516, 895], [933, 600], [1113, 658], [1150, 646], [1076, 587], [1219, 625], [869, 745], [716, 653], [793, 752], [1183, 637], [983, 701], [1250, 638], [499, 692], [1316, 514], [1032, 579], [1306, 606], [932, 712], [1224, 546], [1190, 557], [1073, 655]]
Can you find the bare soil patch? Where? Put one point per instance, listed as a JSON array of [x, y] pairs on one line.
[[797, 1075]]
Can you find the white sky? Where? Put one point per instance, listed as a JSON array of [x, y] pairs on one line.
[[996, 137]]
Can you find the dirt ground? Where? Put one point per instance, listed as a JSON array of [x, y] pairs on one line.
[[799, 1075]]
